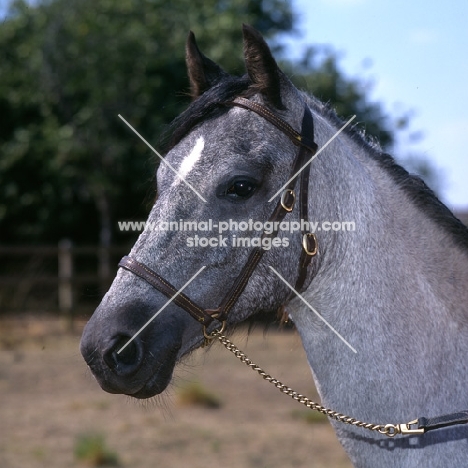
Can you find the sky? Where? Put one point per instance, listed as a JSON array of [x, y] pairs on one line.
[[418, 50]]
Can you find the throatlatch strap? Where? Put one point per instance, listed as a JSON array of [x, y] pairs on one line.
[[307, 147], [308, 238]]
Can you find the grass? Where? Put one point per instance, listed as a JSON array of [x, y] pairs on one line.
[[195, 394], [310, 417], [91, 449]]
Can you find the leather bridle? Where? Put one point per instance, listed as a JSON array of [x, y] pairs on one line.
[[307, 148]]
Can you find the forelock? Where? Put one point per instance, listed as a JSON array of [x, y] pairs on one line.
[[209, 105]]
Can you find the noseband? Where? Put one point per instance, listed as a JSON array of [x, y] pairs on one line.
[[307, 148]]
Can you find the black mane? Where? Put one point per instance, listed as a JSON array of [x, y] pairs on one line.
[[211, 104]]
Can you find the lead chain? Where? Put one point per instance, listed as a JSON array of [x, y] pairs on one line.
[[389, 430]]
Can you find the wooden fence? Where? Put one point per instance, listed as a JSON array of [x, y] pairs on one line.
[[61, 279], [56, 279]]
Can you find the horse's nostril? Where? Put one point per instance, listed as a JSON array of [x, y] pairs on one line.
[[124, 361], [127, 355]]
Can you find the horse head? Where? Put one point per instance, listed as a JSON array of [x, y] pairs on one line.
[[225, 165]]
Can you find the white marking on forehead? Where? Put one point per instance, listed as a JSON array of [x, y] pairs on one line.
[[192, 157]]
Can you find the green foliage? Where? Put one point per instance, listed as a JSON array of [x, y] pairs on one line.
[[68, 166], [91, 449], [310, 417], [195, 394]]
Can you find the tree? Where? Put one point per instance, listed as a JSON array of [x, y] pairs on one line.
[[68, 165]]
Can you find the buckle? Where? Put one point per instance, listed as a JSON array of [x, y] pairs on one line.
[[407, 429], [216, 333], [288, 198], [309, 243]]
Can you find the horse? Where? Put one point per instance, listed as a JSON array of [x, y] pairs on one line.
[[394, 288]]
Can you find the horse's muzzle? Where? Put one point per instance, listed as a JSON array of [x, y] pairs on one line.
[[140, 367]]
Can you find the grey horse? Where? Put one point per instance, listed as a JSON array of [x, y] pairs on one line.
[[394, 288]]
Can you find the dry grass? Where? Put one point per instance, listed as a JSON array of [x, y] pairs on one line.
[[91, 449], [195, 394], [48, 399]]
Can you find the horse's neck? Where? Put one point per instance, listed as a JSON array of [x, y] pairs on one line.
[[395, 289]]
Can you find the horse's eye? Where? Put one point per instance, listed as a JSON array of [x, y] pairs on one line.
[[241, 189]]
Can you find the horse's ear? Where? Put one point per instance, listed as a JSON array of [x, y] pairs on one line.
[[203, 72], [262, 68]]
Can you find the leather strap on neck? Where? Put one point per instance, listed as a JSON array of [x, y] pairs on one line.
[[429, 424]]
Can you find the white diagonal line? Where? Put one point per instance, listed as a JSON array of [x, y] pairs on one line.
[[312, 158], [313, 310], [161, 309], [164, 161]]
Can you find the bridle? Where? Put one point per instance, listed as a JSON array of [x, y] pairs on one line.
[[307, 148]]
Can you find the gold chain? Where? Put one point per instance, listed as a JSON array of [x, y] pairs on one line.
[[389, 430]]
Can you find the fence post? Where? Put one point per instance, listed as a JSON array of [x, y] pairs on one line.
[[65, 276], [104, 271]]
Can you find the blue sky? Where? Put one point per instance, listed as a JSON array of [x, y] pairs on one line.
[[419, 55]]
